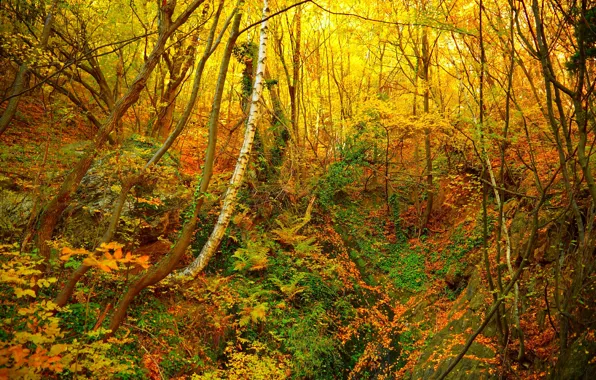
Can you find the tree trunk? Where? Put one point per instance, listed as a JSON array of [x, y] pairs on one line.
[[168, 263], [137, 178], [293, 87], [216, 236], [178, 66], [15, 96], [21, 77], [430, 191]]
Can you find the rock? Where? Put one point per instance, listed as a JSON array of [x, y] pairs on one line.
[[579, 362], [149, 212], [15, 211], [480, 361], [454, 279]]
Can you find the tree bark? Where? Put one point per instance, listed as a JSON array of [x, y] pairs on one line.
[[216, 236], [21, 77], [430, 191]]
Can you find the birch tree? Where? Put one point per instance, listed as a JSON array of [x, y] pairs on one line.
[[230, 198], [169, 262], [138, 177]]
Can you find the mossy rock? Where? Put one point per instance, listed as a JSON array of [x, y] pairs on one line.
[[151, 209], [15, 211], [578, 362], [479, 362]]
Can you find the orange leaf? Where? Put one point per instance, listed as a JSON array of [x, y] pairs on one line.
[[67, 252], [118, 254], [19, 353], [143, 261], [103, 267], [113, 245]]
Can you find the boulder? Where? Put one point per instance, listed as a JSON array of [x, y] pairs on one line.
[[481, 360]]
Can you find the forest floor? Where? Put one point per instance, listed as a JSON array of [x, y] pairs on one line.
[[359, 291]]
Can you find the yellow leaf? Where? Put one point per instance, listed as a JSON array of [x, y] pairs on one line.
[[259, 312], [111, 264], [57, 349], [20, 292], [90, 262]]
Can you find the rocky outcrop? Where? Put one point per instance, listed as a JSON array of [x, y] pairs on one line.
[[15, 212], [579, 361], [481, 361]]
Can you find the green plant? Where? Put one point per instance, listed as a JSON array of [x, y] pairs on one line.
[[338, 177], [455, 254], [405, 267], [253, 257], [33, 343]]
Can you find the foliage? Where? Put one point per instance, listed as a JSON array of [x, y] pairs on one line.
[[255, 363], [34, 344], [405, 267], [349, 285], [335, 182], [112, 259], [455, 255], [251, 258]]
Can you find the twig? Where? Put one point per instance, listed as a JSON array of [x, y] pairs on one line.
[[102, 316]]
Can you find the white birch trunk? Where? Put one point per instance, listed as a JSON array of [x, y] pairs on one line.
[[229, 204]]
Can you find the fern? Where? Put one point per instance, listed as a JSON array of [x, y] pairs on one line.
[[253, 314], [292, 289], [251, 258], [290, 225], [307, 247]]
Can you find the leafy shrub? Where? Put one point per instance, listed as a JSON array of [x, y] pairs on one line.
[[315, 354], [258, 362], [338, 177], [33, 344], [405, 268]]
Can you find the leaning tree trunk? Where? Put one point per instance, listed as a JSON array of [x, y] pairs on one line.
[[168, 263], [216, 236]]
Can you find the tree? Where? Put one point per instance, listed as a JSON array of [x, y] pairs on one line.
[[52, 211], [18, 85], [229, 202], [169, 262], [138, 177]]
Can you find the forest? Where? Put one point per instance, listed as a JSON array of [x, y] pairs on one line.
[[297, 189]]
